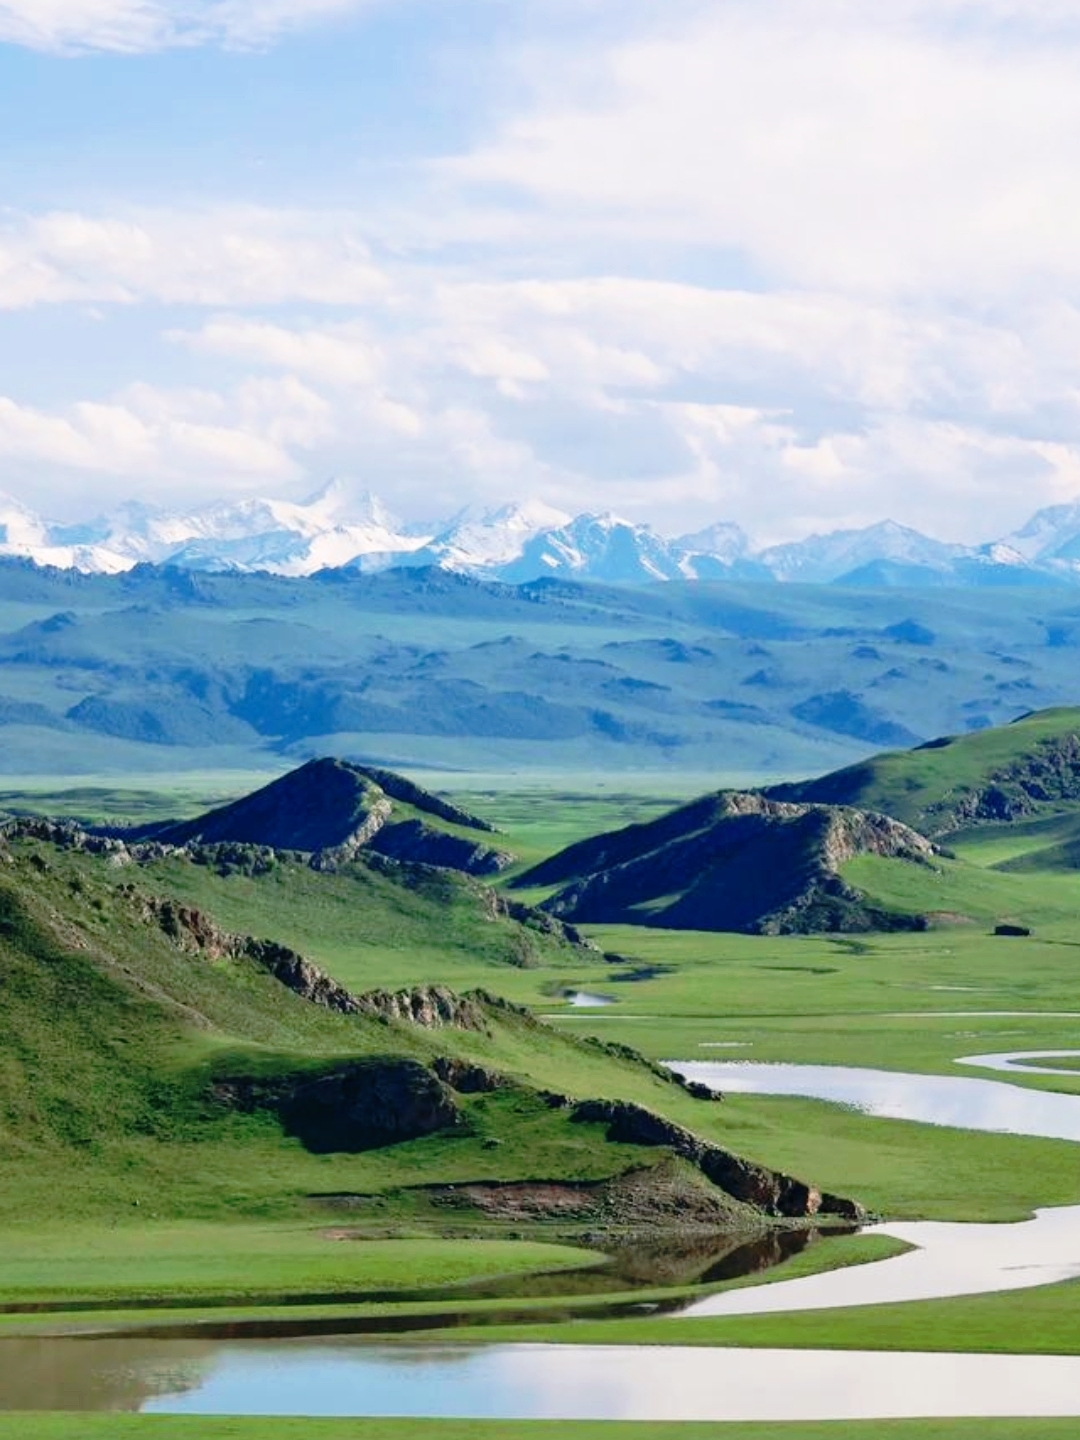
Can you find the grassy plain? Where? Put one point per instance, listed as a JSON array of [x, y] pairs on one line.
[[223, 1219], [187, 1263], [1026, 1322], [198, 1427]]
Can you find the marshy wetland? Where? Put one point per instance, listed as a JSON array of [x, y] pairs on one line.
[[203, 1255]]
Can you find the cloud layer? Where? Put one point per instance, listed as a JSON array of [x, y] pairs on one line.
[[133, 27], [799, 266]]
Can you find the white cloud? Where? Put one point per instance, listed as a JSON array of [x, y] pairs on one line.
[[881, 148], [893, 185], [140, 26], [227, 256], [201, 440], [339, 354]]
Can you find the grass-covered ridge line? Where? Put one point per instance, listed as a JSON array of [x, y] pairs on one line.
[[1008, 773]]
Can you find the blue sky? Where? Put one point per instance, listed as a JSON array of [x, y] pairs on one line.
[[798, 263]]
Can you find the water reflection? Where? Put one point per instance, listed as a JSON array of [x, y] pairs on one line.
[[678, 1262], [950, 1260], [551, 1382], [97, 1374]]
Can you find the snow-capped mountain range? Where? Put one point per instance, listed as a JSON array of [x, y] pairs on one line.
[[526, 541]]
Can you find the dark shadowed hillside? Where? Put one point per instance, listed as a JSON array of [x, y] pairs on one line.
[[332, 809], [736, 862]]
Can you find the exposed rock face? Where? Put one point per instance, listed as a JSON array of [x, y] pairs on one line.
[[370, 1105], [1049, 775], [195, 932], [412, 840], [657, 1199], [362, 1106], [733, 861], [433, 1007], [398, 787], [766, 1190], [468, 1079]]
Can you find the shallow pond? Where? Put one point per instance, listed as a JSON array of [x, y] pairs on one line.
[[586, 1000], [527, 1381]]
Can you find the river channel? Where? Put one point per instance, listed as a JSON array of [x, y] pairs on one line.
[[349, 1375]]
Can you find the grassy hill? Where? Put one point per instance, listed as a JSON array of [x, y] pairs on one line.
[[1016, 772], [155, 1061], [836, 854], [732, 861], [331, 810]]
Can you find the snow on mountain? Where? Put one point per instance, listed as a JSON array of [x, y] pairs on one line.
[[724, 540], [821, 559], [285, 537], [1050, 534], [597, 547], [339, 526], [484, 541]]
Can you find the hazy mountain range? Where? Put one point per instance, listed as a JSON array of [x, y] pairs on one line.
[[525, 541]]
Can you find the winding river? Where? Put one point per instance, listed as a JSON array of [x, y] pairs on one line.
[[350, 1376]]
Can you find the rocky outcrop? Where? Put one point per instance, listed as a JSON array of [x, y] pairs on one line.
[[432, 1007], [194, 931], [399, 787], [413, 841], [1048, 775], [766, 1190], [467, 1078], [362, 1106]]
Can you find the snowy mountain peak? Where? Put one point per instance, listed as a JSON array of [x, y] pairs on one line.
[[487, 539], [724, 540], [820, 559], [1050, 534], [342, 524]]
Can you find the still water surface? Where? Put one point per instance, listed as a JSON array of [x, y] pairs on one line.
[[956, 1100], [348, 1377], [538, 1381]]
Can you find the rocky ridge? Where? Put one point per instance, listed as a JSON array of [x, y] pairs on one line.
[[732, 861], [332, 810]]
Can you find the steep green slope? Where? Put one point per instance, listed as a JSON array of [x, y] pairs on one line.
[[1011, 773], [732, 862], [152, 1059]]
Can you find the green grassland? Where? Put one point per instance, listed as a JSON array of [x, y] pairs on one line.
[[188, 1262], [169, 1427], [1027, 1322], [122, 1183]]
